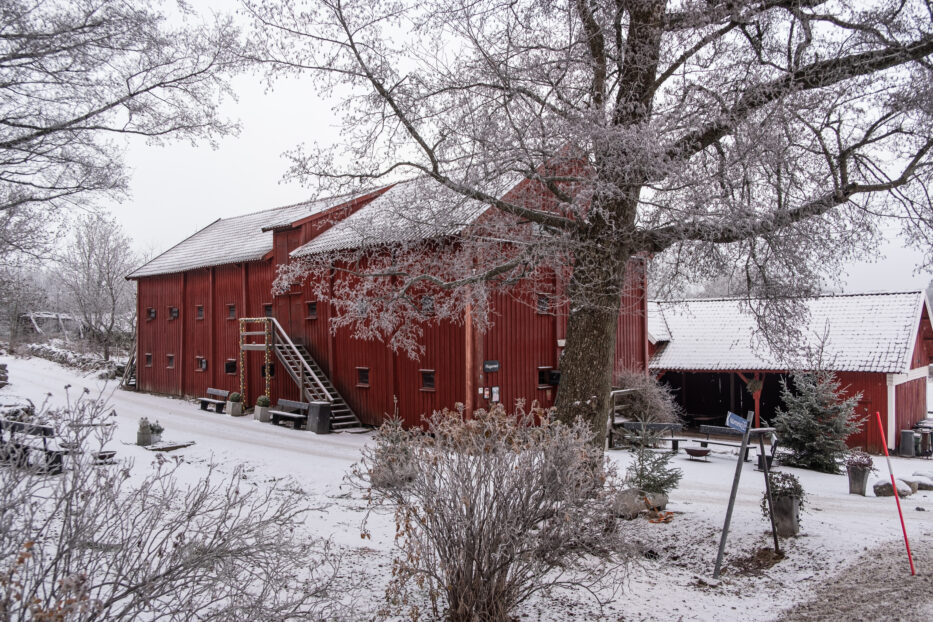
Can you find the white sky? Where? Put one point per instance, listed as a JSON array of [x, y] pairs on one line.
[[178, 189]]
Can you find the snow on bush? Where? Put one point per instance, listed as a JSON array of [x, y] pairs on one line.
[[493, 509], [98, 542], [54, 351]]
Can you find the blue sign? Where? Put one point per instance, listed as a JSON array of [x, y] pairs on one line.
[[736, 423]]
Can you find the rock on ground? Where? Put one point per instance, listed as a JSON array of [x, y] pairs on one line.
[[910, 481], [631, 502], [883, 488]]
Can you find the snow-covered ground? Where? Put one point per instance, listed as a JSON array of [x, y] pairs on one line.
[[848, 559]]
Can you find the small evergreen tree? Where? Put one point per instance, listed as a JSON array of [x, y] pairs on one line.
[[652, 471], [815, 421]]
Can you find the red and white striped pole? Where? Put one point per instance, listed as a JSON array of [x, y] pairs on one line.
[[897, 497]]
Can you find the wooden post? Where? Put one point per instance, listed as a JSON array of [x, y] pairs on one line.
[[732, 495]]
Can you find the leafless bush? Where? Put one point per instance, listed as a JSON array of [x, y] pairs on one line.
[[105, 543], [494, 509], [650, 402]]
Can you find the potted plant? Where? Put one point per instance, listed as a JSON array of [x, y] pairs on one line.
[[157, 430], [858, 466], [261, 411], [144, 433], [235, 404], [788, 497]]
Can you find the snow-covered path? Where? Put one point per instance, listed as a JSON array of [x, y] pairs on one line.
[[838, 530]]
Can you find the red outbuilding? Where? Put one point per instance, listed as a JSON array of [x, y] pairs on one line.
[[880, 345], [193, 298]]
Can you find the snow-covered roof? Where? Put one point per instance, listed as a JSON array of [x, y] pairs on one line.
[[863, 332], [413, 210], [230, 240]]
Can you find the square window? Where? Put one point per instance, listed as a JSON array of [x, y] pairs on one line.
[[267, 309], [427, 380], [267, 370], [427, 305], [200, 363], [199, 312], [230, 366], [150, 313], [148, 359], [543, 306], [544, 377], [362, 376], [170, 361], [173, 313], [231, 312], [312, 310]]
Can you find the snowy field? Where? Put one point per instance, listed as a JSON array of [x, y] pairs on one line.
[[848, 564]]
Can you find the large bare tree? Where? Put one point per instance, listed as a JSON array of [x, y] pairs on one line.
[[770, 134], [93, 269], [77, 74]]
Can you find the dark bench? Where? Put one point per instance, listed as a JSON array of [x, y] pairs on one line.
[[720, 430], [218, 403], [290, 410], [634, 430], [18, 441]]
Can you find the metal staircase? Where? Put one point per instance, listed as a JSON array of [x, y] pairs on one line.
[[304, 371]]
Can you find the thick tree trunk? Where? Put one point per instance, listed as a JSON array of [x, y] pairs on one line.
[[587, 362]]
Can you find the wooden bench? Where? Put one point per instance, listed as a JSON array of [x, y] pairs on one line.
[[18, 441], [290, 410], [636, 429], [720, 430], [218, 403]]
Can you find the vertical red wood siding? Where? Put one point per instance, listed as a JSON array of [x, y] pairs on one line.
[[874, 390]]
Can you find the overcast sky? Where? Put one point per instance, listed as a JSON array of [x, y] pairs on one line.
[[180, 188]]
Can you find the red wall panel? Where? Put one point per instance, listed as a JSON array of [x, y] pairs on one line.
[[874, 390]]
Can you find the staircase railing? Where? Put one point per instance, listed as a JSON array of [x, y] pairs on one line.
[[282, 337]]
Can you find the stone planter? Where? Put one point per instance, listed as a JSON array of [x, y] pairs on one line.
[[858, 480], [787, 516], [156, 438], [235, 408], [143, 438], [261, 413]]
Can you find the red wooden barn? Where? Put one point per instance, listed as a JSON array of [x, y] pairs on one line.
[[877, 344], [192, 297]]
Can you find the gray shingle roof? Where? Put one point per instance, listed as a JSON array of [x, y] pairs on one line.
[[866, 332], [230, 240]]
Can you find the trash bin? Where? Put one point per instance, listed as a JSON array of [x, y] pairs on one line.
[[906, 447], [926, 447], [319, 417]]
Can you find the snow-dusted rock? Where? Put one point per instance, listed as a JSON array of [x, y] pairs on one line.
[[926, 474], [631, 502], [910, 481], [883, 488], [923, 482]]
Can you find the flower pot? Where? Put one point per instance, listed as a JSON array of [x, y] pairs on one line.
[[261, 413], [761, 460], [156, 438], [787, 516], [143, 438], [236, 408], [858, 480]]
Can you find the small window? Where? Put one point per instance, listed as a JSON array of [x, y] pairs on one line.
[[173, 313], [312, 310], [199, 312], [230, 366], [362, 376], [148, 359], [544, 377], [267, 309], [544, 304], [427, 380], [170, 361], [151, 313], [427, 305], [267, 370], [231, 312], [200, 363]]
